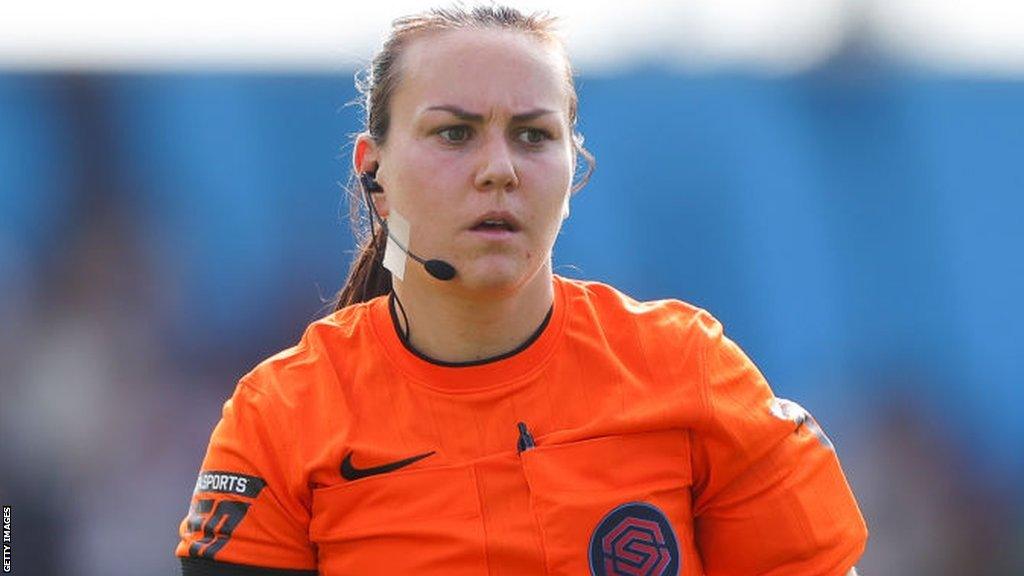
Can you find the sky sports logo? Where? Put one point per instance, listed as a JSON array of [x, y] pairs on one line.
[[7, 539], [229, 483]]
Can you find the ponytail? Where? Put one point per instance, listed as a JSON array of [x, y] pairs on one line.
[[367, 278]]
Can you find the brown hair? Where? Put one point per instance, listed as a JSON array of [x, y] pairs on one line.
[[368, 278]]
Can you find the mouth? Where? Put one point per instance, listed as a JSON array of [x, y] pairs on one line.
[[496, 222]]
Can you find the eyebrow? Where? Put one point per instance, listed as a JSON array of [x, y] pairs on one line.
[[468, 116]]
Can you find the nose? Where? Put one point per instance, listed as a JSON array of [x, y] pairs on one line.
[[497, 170]]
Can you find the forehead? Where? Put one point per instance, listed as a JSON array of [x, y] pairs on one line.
[[483, 71]]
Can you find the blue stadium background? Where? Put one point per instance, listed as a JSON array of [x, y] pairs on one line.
[[858, 228]]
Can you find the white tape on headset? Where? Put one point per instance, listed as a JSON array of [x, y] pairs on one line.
[[394, 256]]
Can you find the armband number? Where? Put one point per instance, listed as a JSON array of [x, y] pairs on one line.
[[216, 519]]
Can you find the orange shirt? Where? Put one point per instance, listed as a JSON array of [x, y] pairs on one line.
[[652, 446]]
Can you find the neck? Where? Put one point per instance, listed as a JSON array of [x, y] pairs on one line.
[[449, 326]]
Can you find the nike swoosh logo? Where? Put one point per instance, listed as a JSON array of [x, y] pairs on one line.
[[350, 472]]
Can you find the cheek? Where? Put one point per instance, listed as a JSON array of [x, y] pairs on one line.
[[554, 166], [424, 162], [550, 177], [423, 182]]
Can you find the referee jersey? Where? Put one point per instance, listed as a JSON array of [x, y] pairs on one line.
[[624, 438]]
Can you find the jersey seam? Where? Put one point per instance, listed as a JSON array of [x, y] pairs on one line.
[[644, 350], [706, 413], [536, 518], [708, 409], [481, 502]]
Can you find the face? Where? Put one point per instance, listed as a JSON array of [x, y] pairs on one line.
[[478, 155]]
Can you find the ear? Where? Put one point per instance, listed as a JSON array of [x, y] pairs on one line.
[[565, 206], [366, 158], [366, 155]]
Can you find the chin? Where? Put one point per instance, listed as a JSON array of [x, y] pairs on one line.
[[497, 279]]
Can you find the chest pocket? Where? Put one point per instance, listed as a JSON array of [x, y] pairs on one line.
[[413, 522], [615, 505]]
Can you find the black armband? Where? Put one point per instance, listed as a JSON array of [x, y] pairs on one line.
[[204, 567]]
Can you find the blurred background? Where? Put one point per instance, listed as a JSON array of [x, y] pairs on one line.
[[840, 182]]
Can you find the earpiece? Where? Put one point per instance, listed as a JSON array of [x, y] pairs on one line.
[[369, 182]]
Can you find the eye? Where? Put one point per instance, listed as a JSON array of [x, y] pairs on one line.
[[454, 134], [533, 136]]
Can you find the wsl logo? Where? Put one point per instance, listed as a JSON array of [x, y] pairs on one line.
[[634, 539]]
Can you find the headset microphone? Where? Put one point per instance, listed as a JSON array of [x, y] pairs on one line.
[[437, 268]]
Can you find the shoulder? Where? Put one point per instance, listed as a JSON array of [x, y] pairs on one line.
[[327, 349], [667, 318]]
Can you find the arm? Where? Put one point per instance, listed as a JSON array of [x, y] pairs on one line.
[[246, 518], [769, 494]]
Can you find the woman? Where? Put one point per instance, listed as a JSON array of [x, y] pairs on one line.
[[467, 412]]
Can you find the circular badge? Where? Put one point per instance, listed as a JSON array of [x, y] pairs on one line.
[[634, 539]]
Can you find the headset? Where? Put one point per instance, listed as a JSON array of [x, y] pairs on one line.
[[435, 267]]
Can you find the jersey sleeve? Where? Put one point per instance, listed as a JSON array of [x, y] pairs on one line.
[[770, 497], [248, 514]]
